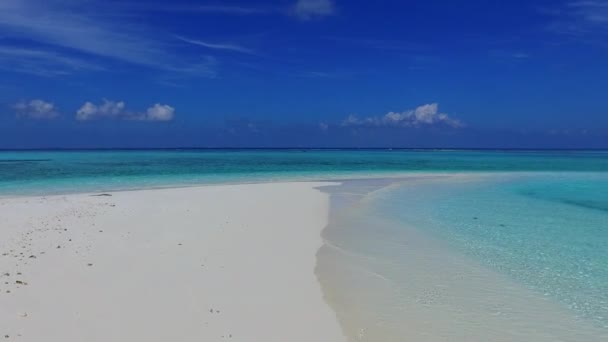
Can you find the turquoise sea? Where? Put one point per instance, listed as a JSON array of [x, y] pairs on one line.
[[43, 172], [422, 245]]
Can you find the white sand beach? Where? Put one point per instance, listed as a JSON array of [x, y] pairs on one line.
[[213, 263]]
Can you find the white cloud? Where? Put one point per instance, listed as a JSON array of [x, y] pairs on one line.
[[108, 109], [217, 46], [40, 62], [593, 12], [68, 24], [323, 126], [580, 18], [210, 9], [425, 115], [95, 28], [117, 110], [65, 30], [302, 9], [240, 10], [36, 109], [310, 9], [520, 55], [160, 112]]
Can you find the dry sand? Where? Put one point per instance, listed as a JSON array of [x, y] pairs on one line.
[[211, 263]]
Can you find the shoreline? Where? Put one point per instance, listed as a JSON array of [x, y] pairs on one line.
[[212, 262], [280, 244], [404, 175]]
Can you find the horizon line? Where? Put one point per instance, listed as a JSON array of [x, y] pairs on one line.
[[303, 148]]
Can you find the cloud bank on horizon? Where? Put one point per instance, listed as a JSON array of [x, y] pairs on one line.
[[425, 115], [422, 116], [117, 110], [42, 110], [35, 109]]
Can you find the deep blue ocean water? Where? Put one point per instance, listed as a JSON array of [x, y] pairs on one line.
[[497, 245]]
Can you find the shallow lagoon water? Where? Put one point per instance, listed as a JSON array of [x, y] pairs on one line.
[[504, 257]]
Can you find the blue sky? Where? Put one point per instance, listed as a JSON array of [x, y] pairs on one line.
[[109, 73]]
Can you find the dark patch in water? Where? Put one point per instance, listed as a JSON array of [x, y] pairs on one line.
[[24, 160], [589, 204]]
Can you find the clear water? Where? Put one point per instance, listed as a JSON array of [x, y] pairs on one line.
[[455, 246], [538, 236], [550, 232]]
